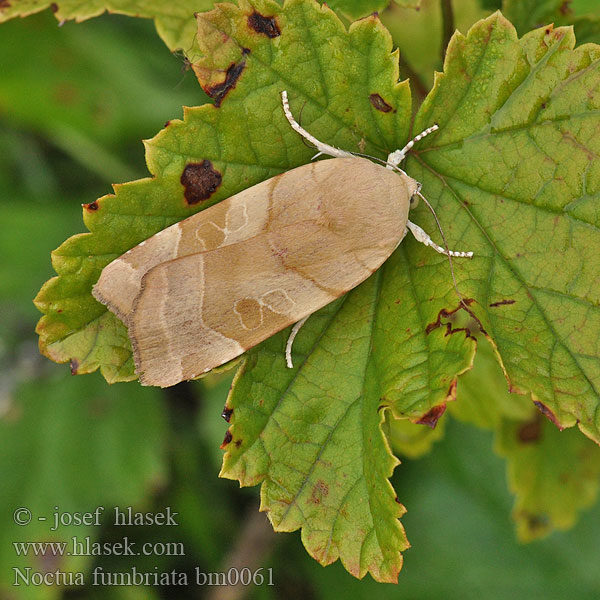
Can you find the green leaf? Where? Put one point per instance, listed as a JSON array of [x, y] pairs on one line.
[[412, 440], [313, 435], [529, 14], [514, 171], [553, 474], [483, 397], [246, 150], [176, 26], [582, 14]]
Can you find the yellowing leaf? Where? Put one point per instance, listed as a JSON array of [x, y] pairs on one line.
[[174, 20], [412, 440], [554, 474], [515, 170]]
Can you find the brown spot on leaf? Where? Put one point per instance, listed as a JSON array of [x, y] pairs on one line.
[[265, 25], [502, 303], [535, 522], [451, 393], [431, 417], [200, 181], [220, 90], [238, 443], [167, 123], [548, 413], [320, 491], [530, 431], [380, 104], [54, 7], [227, 439], [74, 364], [4, 3], [91, 206], [227, 412], [474, 327]]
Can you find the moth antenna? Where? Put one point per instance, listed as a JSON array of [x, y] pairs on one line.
[[396, 157], [449, 253], [322, 147], [326, 149]]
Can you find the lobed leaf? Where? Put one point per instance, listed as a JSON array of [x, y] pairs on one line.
[[344, 83], [515, 169], [529, 14], [175, 22], [391, 347], [553, 474]]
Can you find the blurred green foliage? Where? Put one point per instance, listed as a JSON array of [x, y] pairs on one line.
[[74, 103]]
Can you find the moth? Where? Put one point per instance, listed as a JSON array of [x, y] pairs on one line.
[[203, 291]]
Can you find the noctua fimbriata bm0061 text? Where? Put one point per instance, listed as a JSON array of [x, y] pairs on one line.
[[205, 290]]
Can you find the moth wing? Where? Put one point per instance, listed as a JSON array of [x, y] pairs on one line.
[[345, 186], [303, 239], [197, 312], [222, 224]]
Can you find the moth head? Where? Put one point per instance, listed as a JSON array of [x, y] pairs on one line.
[[414, 199]]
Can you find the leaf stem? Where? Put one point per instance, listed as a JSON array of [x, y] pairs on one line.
[[447, 25]]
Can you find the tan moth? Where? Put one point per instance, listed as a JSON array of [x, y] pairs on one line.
[[203, 291]]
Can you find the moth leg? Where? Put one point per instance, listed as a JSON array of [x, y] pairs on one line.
[[322, 147], [290, 341], [423, 237], [396, 157]]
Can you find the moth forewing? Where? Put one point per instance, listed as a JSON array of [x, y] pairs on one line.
[[207, 289], [228, 222]]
